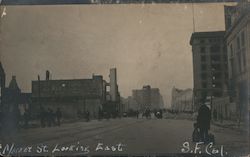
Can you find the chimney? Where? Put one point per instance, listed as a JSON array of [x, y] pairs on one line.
[[47, 75], [113, 84]]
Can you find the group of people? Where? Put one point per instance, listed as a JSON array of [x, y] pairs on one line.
[[49, 118], [13, 119], [157, 113], [85, 115]]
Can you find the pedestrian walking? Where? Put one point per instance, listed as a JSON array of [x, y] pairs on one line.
[[87, 116], [16, 116], [49, 117], [26, 118], [58, 116], [215, 115], [161, 114], [100, 114], [42, 116], [137, 114]]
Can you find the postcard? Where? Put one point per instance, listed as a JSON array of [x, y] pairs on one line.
[[124, 78]]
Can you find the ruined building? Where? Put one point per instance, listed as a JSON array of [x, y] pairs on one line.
[[76, 95]]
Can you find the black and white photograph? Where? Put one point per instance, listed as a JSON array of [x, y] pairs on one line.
[[124, 78]]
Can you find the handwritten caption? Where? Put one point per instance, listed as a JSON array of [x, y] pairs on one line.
[[13, 149], [201, 147]]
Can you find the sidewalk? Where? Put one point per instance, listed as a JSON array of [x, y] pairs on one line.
[[224, 124], [231, 125]]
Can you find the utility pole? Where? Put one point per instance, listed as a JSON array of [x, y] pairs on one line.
[[193, 16], [38, 77]]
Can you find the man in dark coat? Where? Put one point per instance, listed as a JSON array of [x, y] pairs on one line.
[[43, 117], [203, 121]]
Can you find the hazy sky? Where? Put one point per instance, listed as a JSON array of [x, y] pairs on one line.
[[148, 44]]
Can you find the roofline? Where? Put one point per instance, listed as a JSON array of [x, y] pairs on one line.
[[206, 34], [64, 80]]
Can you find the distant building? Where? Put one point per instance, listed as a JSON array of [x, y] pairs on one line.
[[182, 100], [237, 41], [130, 103], [76, 95], [148, 97], [210, 71]]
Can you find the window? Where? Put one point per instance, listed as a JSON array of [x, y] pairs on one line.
[[204, 85], [215, 58], [203, 58], [243, 38], [216, 67], [217, 94], [231, 50], [204, 94], [217, 85], [232, 66], [239, 62], [203, 76], [202, 41], [238, 43], [214, 40], [215, 49], [217, 75], [203, 50], [244, 59], [225, 57], [203, 67], [226, 75]]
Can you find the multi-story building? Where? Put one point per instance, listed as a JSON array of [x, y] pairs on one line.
[[238, 47], [77, 95], [210, 72], [148, 97], [129, 103], [182, 100]]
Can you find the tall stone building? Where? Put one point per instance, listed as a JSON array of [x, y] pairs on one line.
[[238, 47], [210, 72], [148, 97]]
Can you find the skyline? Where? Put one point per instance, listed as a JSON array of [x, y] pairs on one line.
[[144, 42]]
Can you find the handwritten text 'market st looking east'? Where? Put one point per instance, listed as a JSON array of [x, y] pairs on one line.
[[12, 149]]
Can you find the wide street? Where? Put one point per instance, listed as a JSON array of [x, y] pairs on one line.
[[127, 135]]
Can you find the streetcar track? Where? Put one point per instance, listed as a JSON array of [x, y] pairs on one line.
[[71, 133], [113, 128]]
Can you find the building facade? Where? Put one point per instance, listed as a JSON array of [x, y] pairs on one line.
[[238, 47], [210, 71], [77, 95], [148, 97], [182, 100]]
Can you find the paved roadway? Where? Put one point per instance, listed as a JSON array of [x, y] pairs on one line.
[[135, 136]]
